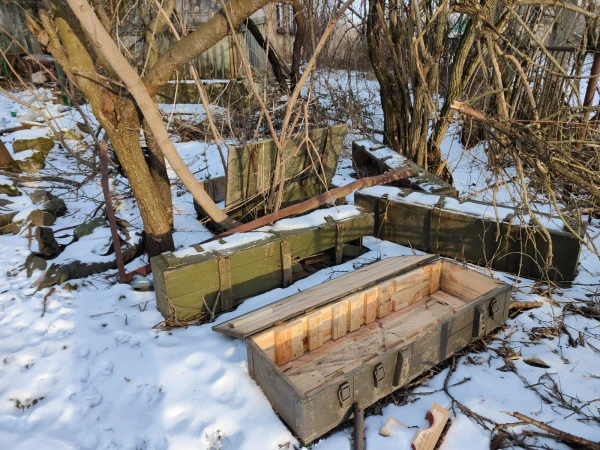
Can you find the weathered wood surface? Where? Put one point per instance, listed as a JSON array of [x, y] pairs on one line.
[[370, 155], [309, 168], [191, 281], [316, 391], [427, 438], [311, 299], [470, 233]]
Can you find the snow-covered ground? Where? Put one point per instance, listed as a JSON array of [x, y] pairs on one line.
[[91, 372]]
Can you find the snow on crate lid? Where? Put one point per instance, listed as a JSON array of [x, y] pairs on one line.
[[475, 209], [313, 219]]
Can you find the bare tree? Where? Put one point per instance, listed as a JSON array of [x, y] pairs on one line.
[[89, 65]]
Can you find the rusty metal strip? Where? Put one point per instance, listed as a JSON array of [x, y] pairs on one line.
[[225, 284], [286, 262]]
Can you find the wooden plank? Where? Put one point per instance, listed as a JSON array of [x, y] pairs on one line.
[[288, 343], [371, 304], [322, 294], [410, 294], [315, 331], [339, 320], [356, 304], [384, 300], [435, 277], [427, 438], [225, 284], [447, 299]]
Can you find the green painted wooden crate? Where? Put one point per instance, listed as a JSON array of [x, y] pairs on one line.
[[190, 281], [469, 231]]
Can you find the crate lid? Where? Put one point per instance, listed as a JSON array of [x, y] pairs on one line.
[[268, 316]]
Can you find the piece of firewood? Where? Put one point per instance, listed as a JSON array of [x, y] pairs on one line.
[[526, 305], [386, 428], [426, 438]]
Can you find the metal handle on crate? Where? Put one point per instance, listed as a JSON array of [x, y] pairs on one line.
[[494, 308], [344, 393], [378, 373]]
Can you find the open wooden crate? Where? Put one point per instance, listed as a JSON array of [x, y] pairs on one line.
[[361, 336]]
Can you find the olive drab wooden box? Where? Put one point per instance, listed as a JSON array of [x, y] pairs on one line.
[[361, 336]]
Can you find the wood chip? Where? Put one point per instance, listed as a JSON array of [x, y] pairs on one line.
[[386, 429]]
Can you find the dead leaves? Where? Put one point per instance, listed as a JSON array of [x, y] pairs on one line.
[[27, 403]]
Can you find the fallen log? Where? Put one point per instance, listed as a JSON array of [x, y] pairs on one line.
[[317, 201]]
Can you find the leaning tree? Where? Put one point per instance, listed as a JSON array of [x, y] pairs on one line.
[[84, 40]]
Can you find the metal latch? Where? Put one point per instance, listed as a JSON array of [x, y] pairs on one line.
[[494, 308], [378, 374], [344, 392]]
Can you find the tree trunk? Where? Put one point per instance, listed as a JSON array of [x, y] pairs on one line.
[[276, 64], [135, 86], [158, 171], [298, 42], [120, 119], [156, 214], [5, 156]]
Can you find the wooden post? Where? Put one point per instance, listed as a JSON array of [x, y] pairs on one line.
[[359, 427]]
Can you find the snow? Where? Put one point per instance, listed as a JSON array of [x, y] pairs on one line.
[[93, 372]]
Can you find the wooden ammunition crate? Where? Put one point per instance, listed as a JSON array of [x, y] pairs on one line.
[[469, 231], [190, 281], [363, 335], [371, 157]]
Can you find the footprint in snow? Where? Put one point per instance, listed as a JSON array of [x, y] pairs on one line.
[[88, 399], [106, 369], [195, 360], [60, 329], [124, 338], [82, 351], [19, 326], [150, 394], [211, 374]]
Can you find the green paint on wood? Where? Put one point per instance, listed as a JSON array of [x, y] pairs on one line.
[[519, 249], [188, 285]]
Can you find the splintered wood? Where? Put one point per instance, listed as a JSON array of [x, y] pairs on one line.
[[426, 438], [344, 317]]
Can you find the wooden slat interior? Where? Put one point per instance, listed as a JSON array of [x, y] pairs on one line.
[[347, 315], [318, 296], [342, 335]]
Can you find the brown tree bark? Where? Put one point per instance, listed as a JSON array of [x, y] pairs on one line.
[[117, 115], [276, 64], [5, 156], [298, 42]]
